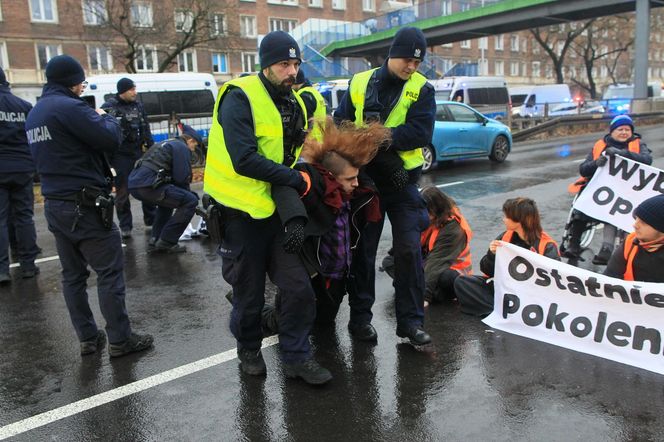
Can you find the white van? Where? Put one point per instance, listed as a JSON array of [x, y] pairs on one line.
[[190, 96], [529, 101], [488, 95]]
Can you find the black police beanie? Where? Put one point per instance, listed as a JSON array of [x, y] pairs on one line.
[[64, 70], [124, 84], [408, 43], [3, 78], [278, 46], [188, 130], [651, 212], [300, 78]]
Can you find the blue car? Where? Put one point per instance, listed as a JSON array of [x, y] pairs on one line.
[[462, 132]]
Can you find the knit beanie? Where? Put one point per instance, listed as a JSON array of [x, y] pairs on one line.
[[651, 212], [278, 46], [64, 70], [408, 43], [124, 84], [621, 120], [3, 78]]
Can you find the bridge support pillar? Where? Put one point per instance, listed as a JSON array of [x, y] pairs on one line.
[[642, 34]]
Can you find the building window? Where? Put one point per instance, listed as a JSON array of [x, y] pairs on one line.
[[447, 45], [248, 26], [94, 12], [219, 63], [514, 68], [315, 3], [217, 24], [369, 5], [100, 58], [43, 11], [141, 14], [465, 44], [4, 60], [536, 73], [524, 69], [45, 52], [603, 71], [548, 71], [446, 7], [249, 61], [146, 59], [482, 43], [282, 24], [187, 61], [184, 20], [514, 43], [283, 2], [498, 43], [499, 67], [559, 47], [339, 4]]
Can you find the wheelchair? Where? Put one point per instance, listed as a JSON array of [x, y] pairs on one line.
[[587, 236]]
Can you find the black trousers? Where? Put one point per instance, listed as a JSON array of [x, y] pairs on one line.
[[16, 209], [89, 244], [123, 165], [251, 249]]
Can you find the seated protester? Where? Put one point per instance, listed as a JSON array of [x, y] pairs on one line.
[[445, 247], [523, 229], [334, 210], [162, 177], [623, 141], [641, 256]]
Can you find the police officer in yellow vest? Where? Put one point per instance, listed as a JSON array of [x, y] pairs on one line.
[[400, 97], [257, 133], [313, 102]]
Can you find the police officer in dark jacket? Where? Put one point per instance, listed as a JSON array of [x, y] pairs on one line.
[[402, 99], [135, 134], [69, 143], [16, 195], [162, 177], [255, 139]]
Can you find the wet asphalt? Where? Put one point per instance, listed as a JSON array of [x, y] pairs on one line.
[[477, 383]]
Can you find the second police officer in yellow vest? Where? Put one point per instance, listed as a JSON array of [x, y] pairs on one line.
[[313, 102], [257, 133], [400, 97]]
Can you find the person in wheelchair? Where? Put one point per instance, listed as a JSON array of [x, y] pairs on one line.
[[621, 140], [641, 256]]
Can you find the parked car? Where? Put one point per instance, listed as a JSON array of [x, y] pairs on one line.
[[489, 94], [462, 132], [529, 101]]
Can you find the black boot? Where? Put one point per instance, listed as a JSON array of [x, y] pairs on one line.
[[252, 362], [415, 334], [310, 371], [603, 256]]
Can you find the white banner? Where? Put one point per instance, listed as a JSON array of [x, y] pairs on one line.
[[617, 188], [554, 302]]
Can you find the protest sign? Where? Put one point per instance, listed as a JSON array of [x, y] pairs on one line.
[[544, 299], [617, 188]]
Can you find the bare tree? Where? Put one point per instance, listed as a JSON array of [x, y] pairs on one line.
[[607, 40], [549, 40], [141, 32]]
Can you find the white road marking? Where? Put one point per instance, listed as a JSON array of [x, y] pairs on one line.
[[77, 407], [578, 161], [47, 259], [453, 183]]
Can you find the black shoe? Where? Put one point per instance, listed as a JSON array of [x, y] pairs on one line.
[[93, 345], [310, 371], [134, 344], [415, 334], [29, 273], [572, 251], [126, 234], [252, 362], [5, 278], [602, 258], [162, 246], [363, 332]]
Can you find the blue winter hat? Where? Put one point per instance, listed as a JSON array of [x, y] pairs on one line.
[[188, 130], [124, 84], [408, 43], [621, 120], [651, 212], [278, 46], [64, 70]]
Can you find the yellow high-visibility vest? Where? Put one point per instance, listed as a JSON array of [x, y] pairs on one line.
[[411, 91], [221, 181], [319, 114]]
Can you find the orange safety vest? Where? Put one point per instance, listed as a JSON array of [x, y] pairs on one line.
[[464, 260], [634, 146], [544, 240], [630, 252]]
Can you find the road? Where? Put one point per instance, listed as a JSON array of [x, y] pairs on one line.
[[478, 384]]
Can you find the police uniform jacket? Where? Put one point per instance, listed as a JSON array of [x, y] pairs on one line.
[[174, 157], [68, 141], [134, 123], [14, 151], [588, 167]]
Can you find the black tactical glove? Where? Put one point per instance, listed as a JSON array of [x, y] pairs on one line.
[[399, 178], [294, 235], [611, 151], [601, 161]]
